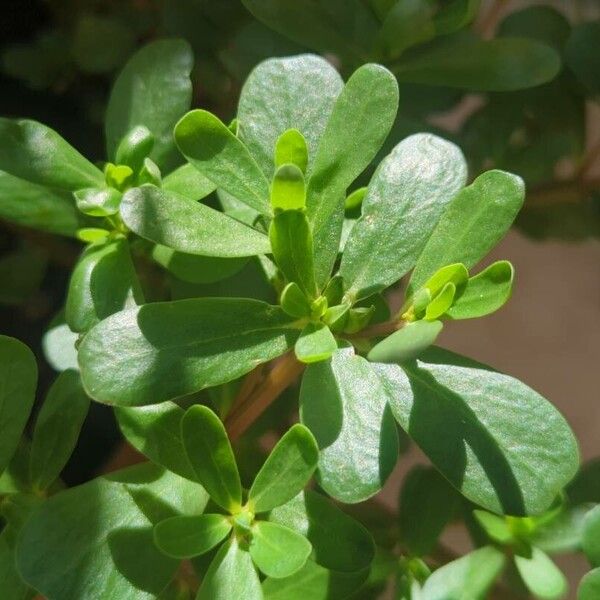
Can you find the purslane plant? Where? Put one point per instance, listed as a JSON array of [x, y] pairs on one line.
[[287, 212]]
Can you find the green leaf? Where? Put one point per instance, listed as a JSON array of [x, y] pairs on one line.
[[58, 345], [563, 532], [314, 582], [209, 452], [292, 247], [406, 343], [294, 301], [189, 182], [180, 223], [57, 428], [441, 303], [221, 157], [282, 94], [590, 541], [344, 152], [581, 55], [277, 550], [103, 282], [169, 349], [344, 405], [339, 542], [155, 431], [495, 439], [427, 504], [134, 147], [541, 576], [494, 526], [470, 576], [18, 379], [36, 153], [589, 586], [499, 65], [35, 206], [287, 189], [95, 540], [485, 293], [13, 587], [188, 536], [154, 90], [455, 273], [231, 575], [474, 222], [98, 202], [291, 148], [316, 343], [408, 193], [286, 471]]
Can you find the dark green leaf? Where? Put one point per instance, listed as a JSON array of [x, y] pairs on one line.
[[485, 293], [33, 205], [499, 65], [291, 148], [495, 439], [13, 587], [277, 550], [103, 282], [57, 428], [541, 576], [292, 247], [474, 222], [590, 541], [581, 55], [168, 349], [221, 157], [180, 223], [155, 431], [153, 89], [589, 587], [316, 343], [189, 182], [231, 575], [95, 540], [343, 403], [209, 452], [286, 471], [407, 343], [18, 379], [345, 150], [427, 504], [408, 193], [339, 542], [36, 153], [470, 576], [188, 536], [282, 94]]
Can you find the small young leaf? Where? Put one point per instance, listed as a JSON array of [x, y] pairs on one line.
[[344, 152], [427, 504], [103, 282], [294, 301], [189, 182], [292, 247], [287, 189], [98, 202], [277, 550], [221, 157], [590, 541], [180, 223], [291, 148], [149, 173], [485, 293], [470, 576], [93, 235], [153, 89], [57, 428], [231, 575], [541, 576], [336, 317], [354, 200], [441, 303], [188, 536], [456, 273], [135, 146], [18, 379], [472, 224], [494, 526], [209, 452], [408, 193], [286, 471], [342, 401], [589, 586], [407, 343], [170, 349], [36, 153], [316, 343], [155, 431]]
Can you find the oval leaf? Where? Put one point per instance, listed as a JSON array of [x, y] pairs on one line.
[[316, 343], [590, 541], [541, 576]]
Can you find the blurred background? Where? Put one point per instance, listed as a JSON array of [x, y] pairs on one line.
[[58, 59]]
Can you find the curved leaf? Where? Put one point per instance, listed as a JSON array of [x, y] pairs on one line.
[[541, 576]]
